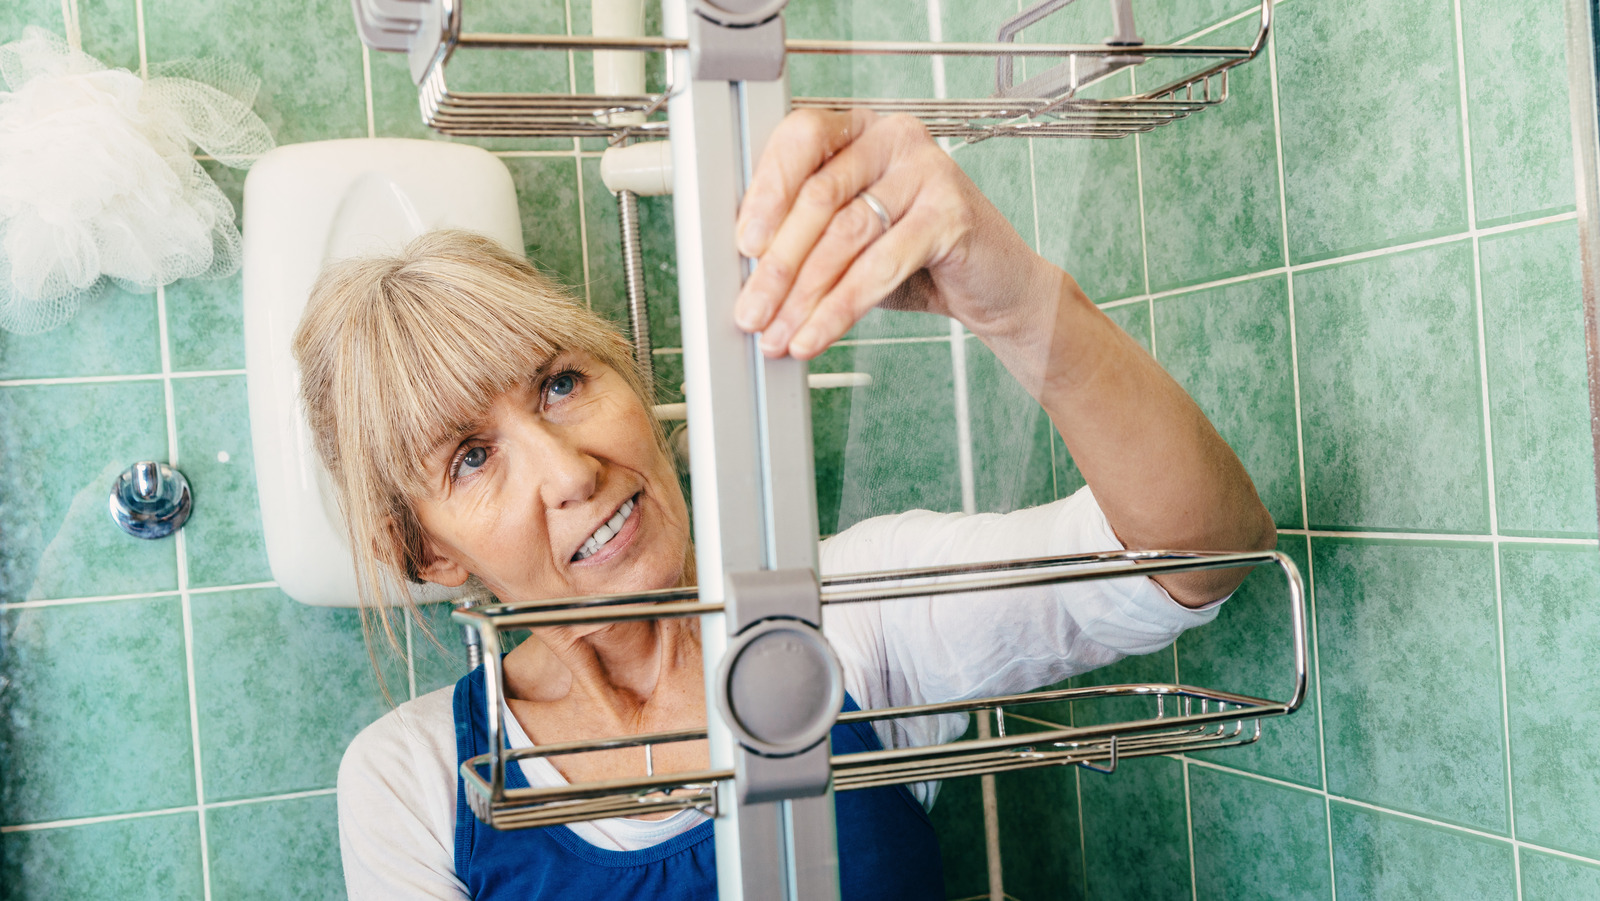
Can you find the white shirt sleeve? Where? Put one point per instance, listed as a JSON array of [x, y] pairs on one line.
[[963, 646], [397, 805]]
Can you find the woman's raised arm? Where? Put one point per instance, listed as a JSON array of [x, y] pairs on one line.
[[1162, 475]]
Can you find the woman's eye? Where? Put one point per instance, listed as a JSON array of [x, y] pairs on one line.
[[562, 385], [471, 461]]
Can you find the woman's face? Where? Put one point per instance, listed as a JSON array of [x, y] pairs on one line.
[[560, 491]]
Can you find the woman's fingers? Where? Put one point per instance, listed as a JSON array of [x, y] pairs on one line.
[[798, 147]]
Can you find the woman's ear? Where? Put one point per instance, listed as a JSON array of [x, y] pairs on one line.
[[440, 569], [419, 557]]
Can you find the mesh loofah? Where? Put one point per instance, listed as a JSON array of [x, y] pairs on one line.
[[98, 181]]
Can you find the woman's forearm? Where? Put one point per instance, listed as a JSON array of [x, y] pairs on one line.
[[1161, 473]]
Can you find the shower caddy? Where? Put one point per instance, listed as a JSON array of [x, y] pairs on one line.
[[769, 671]]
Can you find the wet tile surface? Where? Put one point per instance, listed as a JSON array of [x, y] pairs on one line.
[[1011, 437], [1404, 630], [94, 716], [1088, 197], [1389, 388]]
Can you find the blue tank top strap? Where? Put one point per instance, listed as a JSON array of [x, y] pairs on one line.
[[887, 847]]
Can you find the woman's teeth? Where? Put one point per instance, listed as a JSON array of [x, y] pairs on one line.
[[606, 532]]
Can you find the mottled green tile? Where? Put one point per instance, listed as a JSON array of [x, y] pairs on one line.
[[1134, 832], [1380, 856], [1552, 634], [658, 244], [1538, 384], [205, 323], [1517, 100], [110, 32], [1011, 437], [1399, 176], [63, 447], [1091, 192], [275, 849], [1229, 348], [889, 447], [225, 545], [1211, 181], [154, 858], [94, 716], [1404, 631], [816, 75], [958, 820], [972, 76], [1255, 840], [1003, 171], [1041, 851], [255, 741], [607, 286], [115, 333], [395, 110], [438, 656], [1249, 649], [1133, 318], [305, 52], [19, 14], [1163, 20], [547, 195], [1548, 878], [1389, 390]]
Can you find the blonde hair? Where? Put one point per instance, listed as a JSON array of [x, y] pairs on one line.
[[396, 353]]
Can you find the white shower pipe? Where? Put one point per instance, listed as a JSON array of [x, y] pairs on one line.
[[816, 381]]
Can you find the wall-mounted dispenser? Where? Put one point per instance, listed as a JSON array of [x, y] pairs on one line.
[[306, 205]]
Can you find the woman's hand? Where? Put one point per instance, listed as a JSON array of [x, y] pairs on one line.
[[825, 259]]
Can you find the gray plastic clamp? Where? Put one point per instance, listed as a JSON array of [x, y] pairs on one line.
[[736, 40], [780, 686]]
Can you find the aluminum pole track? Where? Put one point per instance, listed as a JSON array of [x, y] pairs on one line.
[[1067, 114], [1182, 718]]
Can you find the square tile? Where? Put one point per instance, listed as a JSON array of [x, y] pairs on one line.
[[889, 447], [547, 194], [1135, 833], [1229, 348], [1211, 181], [974, 76], [1091, 192], [830, 75], [115, 333], [95, 711], [1538, 383], [1041, 852], [205, 323], [255, 741], [1133, 318], [957, 817], [438, 656], [305, 52], [20, 14], [1162, 21], [276, 849], [1249, 649], [224, 540], [659, 245], [155, 858], [1405, 630], [1389, 390], [607, 288], [59, 540], [1003, 171], [1377, 855], [1390, 68], [1256, 840], [1552, 629], [1517, 101], [110, 32], [1549, 878], [1012, 463]]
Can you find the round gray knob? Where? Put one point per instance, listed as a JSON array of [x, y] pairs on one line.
[[780, 687], [738, 13], [150, 500]]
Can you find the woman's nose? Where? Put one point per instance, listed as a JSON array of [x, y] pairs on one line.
[[568, 475]]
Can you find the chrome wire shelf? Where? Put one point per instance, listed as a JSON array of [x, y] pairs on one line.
[[1179, 718], [1060, 111]]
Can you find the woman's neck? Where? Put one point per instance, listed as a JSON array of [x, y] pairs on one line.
[[618, 666]]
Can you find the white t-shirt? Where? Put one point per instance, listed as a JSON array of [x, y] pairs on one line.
[[397, 782]]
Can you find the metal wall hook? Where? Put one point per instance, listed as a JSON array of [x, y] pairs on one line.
[[150, 500]]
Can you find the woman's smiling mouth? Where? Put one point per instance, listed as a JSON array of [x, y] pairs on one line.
[[608, 531]]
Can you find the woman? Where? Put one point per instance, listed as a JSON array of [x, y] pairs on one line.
[[479, 425]]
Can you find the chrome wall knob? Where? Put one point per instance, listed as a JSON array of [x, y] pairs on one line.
[[150, 500]]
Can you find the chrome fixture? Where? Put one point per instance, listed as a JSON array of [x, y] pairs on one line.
[[150, 500]]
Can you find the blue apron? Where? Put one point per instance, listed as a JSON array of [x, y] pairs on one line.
[[887, 847]]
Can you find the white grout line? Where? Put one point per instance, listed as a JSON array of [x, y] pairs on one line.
[[1188, 828], [1378, 808], [366, 82], [1442, 536], [165, 811], [144, 53], [106, 379], [135, 596], [548, 154]]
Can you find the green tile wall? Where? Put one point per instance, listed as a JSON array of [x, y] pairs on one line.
[[1363, 267]]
